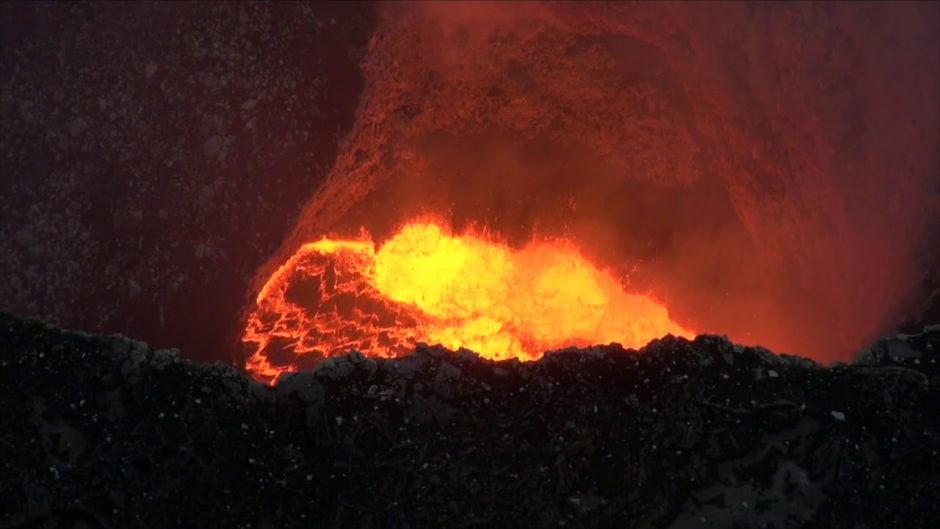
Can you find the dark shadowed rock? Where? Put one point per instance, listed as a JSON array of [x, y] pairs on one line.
[[103, 431]]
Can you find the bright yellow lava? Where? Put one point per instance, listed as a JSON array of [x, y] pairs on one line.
[[460, 291]]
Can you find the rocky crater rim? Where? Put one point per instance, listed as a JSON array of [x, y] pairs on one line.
[[669, 351]]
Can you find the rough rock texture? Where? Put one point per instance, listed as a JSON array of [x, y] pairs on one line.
[[769, 156], [103, 431], [751, 163], [154, 154]]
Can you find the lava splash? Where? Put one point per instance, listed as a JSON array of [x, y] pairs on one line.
[[426, 285]]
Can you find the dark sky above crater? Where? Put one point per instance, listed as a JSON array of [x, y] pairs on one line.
[[772, 170]]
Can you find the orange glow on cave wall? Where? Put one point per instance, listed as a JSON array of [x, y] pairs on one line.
[[716, 176]]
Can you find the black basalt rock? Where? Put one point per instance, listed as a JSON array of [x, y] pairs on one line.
[[103, 431]]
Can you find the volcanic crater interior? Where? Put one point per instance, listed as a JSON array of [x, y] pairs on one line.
[[535, 179], [298, 181]]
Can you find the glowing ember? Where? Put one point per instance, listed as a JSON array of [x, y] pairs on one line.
[[423, 285]]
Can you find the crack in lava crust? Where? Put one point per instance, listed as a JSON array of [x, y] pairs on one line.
[[425, 285]]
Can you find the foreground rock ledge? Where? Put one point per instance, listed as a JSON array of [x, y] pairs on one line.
[[104, 431]]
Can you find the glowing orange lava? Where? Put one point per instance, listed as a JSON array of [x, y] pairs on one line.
[[424, 285]]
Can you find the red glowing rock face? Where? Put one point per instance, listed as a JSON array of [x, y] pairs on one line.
[[767, 186], [423, 285]]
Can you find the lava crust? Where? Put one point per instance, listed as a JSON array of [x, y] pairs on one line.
[[108, 432]]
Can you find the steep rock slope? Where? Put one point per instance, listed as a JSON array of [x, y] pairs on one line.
[[154, 155], [750, 163]]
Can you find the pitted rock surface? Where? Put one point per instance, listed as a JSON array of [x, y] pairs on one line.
[[108, 432]]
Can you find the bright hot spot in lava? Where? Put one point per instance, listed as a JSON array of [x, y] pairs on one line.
[[426, 285]]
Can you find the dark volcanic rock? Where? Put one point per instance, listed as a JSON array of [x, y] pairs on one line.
[[154, 154], [102, 431]]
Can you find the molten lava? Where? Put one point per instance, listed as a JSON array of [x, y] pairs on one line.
[[424, 285]]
